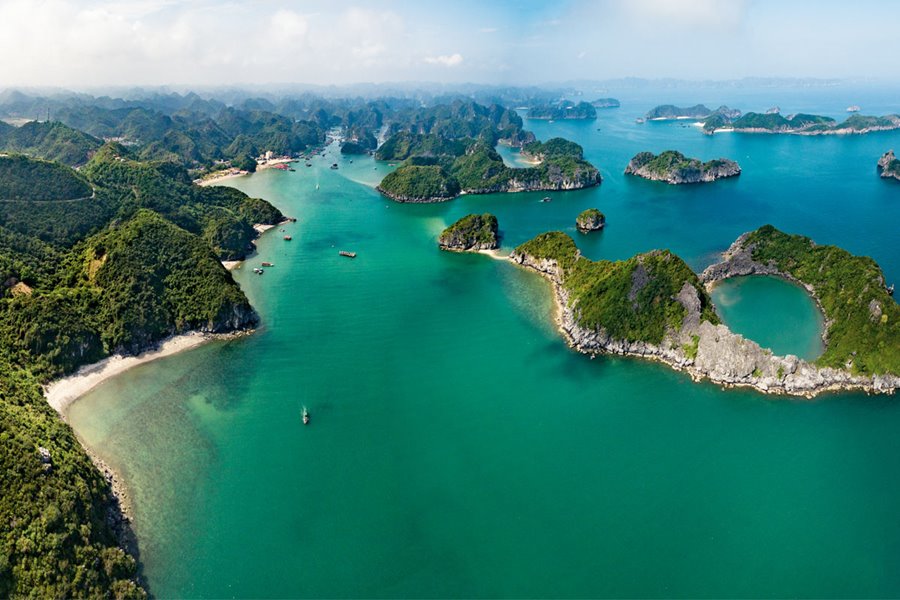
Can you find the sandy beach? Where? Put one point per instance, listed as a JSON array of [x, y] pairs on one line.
[[63, 392], [231, 174]]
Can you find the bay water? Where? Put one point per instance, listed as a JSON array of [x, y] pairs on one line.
[[457, 447]]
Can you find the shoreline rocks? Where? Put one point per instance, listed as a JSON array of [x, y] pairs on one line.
[[471, 233], [708, 351], [674, 168], [590, 220], [889, 166]]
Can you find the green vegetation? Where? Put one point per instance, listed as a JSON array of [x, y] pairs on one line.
[[673, 167], [55, 541], [690, 350], [49, 140], [419, 183], [698, 111], [889, 165], [864, 321], [465, 119], [405, 144], [563, 110], [473, 166], [862, 122], [554, 148], [590, 219], [804, 123], [353, 148], [81, 279], [472, 232], [632, 300], [666, 162], [23, 178]]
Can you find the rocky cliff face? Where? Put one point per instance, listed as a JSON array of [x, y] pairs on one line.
[[889, 166], [647, 166], [590, 220], [707, 351], [471, 234]]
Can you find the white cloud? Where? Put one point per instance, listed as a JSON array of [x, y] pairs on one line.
[[452, 60]]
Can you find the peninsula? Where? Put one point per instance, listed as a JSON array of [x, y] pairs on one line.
[[889, 166], [652, 305], [675, 168]]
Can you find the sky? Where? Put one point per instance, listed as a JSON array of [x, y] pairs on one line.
[[84, 43]]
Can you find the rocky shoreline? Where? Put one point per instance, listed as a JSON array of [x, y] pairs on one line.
[[889, 166], [675, 169], [707, 351]]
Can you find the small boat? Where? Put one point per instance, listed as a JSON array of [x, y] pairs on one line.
[[853, 108], [317, 186], [305, 414], [258, 271], [546, 199], [347, 254], [334, 165], [308, 164], [639, 120], [890, 290], [287, 238], [268, 264]]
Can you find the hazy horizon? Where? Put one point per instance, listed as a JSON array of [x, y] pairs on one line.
[[95, 43]]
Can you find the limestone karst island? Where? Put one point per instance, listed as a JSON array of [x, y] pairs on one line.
[[439, 300]]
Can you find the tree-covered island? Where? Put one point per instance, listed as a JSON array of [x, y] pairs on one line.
[[439, 166], [675, 168]]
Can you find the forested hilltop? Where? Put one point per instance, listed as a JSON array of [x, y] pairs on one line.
[[443, 157], [112, 258]]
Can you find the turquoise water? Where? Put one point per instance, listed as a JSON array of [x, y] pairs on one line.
[[459, 448], [774, 313]]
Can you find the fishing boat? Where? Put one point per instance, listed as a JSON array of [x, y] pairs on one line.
[[347, 254], [287, 238], [305, 414], [268, 264]]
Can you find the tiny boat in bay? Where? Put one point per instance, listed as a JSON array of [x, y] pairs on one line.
[[305, 416], [287, 238], [347, 254], [268, 264]]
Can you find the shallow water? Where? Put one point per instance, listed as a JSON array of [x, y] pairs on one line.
[[775, 313], [459, 448]]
